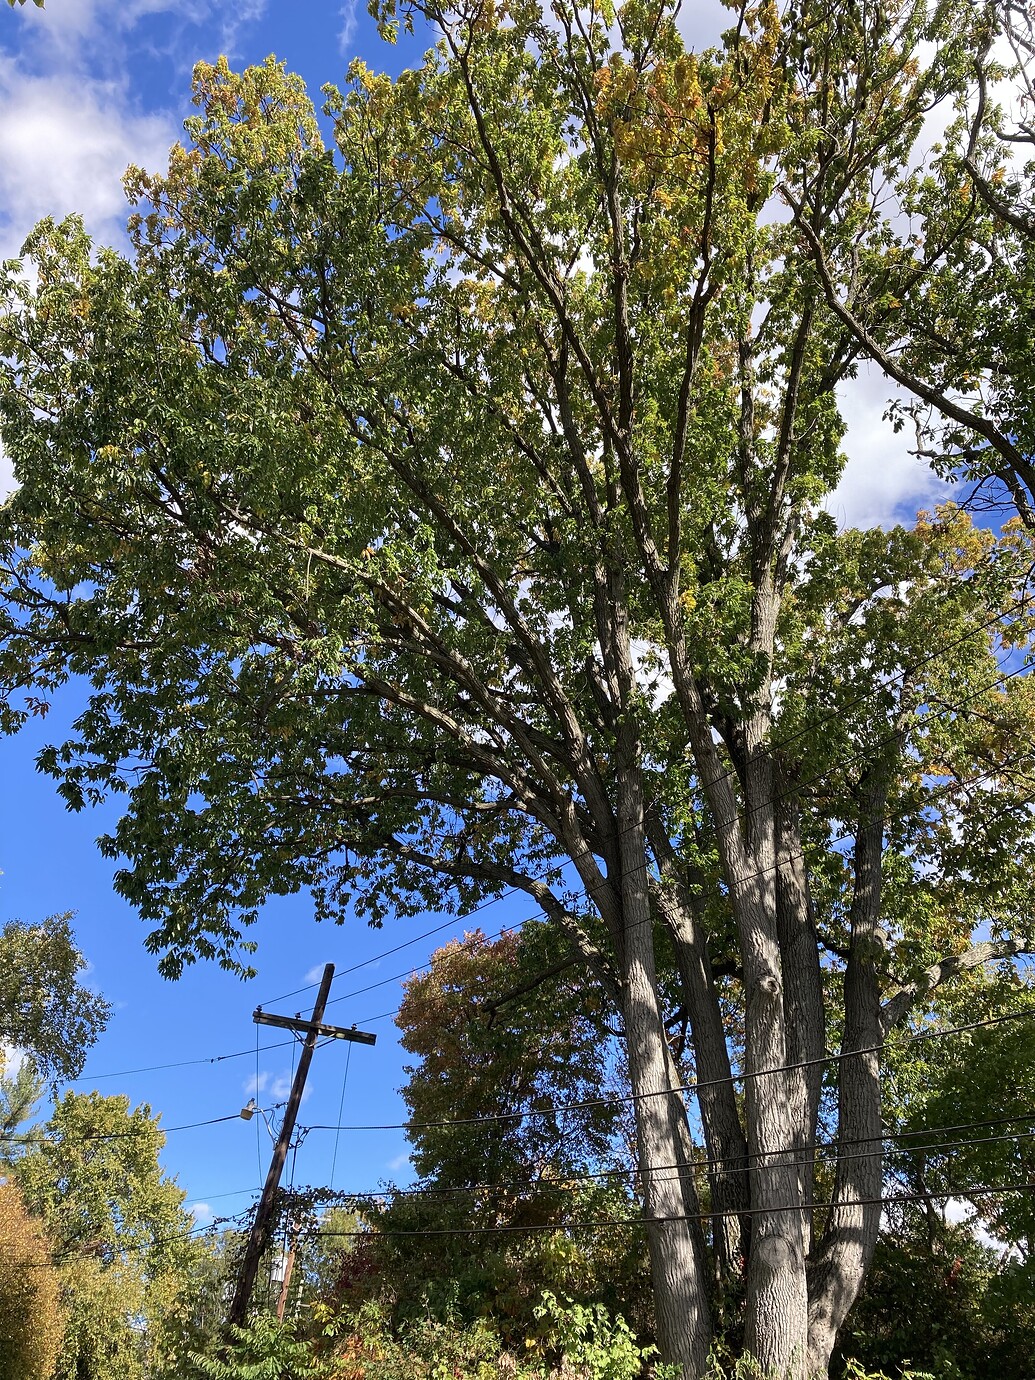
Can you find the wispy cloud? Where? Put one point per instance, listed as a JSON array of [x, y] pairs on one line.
[[201, 1212], [349, 20], [243, 13]]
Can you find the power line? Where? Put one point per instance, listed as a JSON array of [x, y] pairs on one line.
[[517, 924], [179, 1064], [970, 1191], [585, 891], [695, 1086], [564, 1181], [58, 1140], [803, 854], [885, 1200], [772, 867]]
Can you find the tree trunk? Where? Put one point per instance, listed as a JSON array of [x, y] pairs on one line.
[[854, 1222], [776, 1320], [724, 1138], [679, 1272], [803, 993]]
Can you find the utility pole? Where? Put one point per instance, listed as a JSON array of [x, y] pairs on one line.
[[260, 1226]]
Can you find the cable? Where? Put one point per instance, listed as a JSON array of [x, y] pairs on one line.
[[772, 867], [341, 1109], [885, 1200], [123, 1135], [398, 948], [803, 854], [258, 1138], [968, 1192], [564, 1181], [681, 1088], [179, 1064], [282, 1044]]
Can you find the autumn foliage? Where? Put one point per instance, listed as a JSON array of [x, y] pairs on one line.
[[31, 1320]]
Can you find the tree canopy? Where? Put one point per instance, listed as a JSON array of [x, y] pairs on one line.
[[125, 1256], [439, 511], [44, 1009]]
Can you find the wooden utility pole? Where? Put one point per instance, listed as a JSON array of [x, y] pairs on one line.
[[257, 1238]]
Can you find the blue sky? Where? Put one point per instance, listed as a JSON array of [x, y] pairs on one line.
[[86, 87]]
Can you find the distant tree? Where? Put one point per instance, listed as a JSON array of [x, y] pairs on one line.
[[20, 1092], [31, 1319], [43, 1007], [119, 1227], [506, 1038]]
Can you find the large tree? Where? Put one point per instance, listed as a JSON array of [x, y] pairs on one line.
[[123, 1241], [440, 512]]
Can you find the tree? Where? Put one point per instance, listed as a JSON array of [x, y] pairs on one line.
[[514, 1125], [20, 1092], [442, 512], [43, 1008], [30, 1294], [123, 1239], [932, 272]]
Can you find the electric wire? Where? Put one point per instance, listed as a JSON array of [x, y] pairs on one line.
[[804, 854], [564, 1181], [947, 788], [771, 867], [122, 1135], [692, 1087], [178, 1064], [258, 1139], [608, 1224], [341, 1110], [517, 924], [887, 1199]]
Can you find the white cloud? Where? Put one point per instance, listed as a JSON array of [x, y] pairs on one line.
[[349, 21], [281, 1086], [882, 482], [255, 1085], [400, 1162], [314, 974], [243, 13], [64, 145], [703, 22], [6, 475], [201, 1212]]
